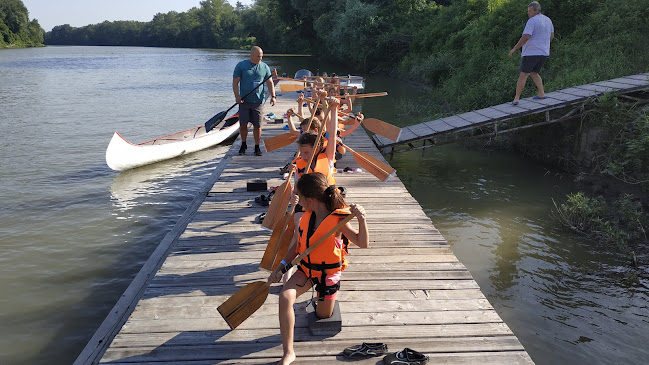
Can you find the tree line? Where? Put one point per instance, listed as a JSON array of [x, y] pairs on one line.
[[16, 30], [459, 47]]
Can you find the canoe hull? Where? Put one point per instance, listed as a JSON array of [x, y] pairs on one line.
[[123, 155]]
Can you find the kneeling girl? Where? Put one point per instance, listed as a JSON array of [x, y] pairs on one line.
[[324, 208]]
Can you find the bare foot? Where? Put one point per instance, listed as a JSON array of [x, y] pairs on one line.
[[287, 359]]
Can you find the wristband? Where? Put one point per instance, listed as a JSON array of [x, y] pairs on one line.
[[283, 262]]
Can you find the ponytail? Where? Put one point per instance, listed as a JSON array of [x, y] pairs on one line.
[[333, 198], [316, 186]]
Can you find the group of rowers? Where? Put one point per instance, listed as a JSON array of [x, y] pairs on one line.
[[319, 207]]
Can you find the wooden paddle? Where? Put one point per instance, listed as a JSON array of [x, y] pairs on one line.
[[279, 141], [278, 205], [371, 164], [367, 95], [290, 87], [212, 122], [382, 128], [248, 299], [334, 77], [278, 243]]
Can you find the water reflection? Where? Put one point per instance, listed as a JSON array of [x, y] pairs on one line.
[[131, 185]]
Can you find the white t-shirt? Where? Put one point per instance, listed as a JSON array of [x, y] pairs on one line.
[[539, 27]]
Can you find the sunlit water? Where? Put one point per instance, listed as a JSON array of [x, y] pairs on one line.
[[73, 233]]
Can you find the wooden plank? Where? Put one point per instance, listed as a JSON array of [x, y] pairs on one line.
[[616, 85], [420, 130], [597, 89], [460, 358], [642, 77], [307, 349], [492, 113], [472, 118], [631, 81], [303, 334], [439, 125], [557, 95], [575, 91]]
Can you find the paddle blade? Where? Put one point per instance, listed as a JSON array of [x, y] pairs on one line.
[[382, 128], [290, 87], [244, 303], [210, 124], [282, 140], [278, 243], [279, 203], [375, 167]]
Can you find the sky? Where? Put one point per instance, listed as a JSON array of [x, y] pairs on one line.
[[79, 13]]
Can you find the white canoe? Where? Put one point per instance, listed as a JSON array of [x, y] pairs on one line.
[[123, 155]]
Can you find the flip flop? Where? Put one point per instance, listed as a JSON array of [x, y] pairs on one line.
[[366, 350], [406, 357], [539, 98], [514, 103]]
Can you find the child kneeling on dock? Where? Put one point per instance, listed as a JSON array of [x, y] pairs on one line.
[[324, 207]]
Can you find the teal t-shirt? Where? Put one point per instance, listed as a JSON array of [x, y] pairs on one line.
[[251, 75]]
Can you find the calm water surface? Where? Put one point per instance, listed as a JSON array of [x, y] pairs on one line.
[[73, 233]]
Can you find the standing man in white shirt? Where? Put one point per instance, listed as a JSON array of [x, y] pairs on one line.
[[537, 35]]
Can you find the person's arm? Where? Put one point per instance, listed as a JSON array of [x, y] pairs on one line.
[[271, 88], [332, 125], [235, 89], [361, 238], [551, 36], [291, 126], [345, 132], [520, 44], [290, 255]]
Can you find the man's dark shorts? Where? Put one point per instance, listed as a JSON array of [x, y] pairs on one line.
[[250, 113], [531, 64]]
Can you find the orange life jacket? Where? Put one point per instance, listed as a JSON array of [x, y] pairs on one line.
[[327, 258], [321, 166]]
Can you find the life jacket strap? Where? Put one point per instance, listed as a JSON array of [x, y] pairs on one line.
[[321, 267]]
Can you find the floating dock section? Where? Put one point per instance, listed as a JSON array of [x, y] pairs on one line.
[[407, 290]]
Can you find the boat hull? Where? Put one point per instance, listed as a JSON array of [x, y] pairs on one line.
[[123, 155]]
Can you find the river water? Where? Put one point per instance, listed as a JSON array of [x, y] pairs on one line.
[[73, 233]]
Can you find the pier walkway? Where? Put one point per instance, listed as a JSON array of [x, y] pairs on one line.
[[407, 290], [424, 135]]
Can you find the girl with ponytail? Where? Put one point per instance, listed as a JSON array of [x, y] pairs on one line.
[[324, 208]]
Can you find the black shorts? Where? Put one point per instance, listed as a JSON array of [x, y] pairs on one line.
[[250, 113], [531, 64]]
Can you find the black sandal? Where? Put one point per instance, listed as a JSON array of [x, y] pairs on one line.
[[406, 356], [262, 200], [365, 350]]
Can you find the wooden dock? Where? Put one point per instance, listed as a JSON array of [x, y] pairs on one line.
[[407, 290], [424, 135]]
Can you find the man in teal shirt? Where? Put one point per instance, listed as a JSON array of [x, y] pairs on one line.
[[247, 75]]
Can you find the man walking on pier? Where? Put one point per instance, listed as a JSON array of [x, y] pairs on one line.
[[248, 74], [537, 35]]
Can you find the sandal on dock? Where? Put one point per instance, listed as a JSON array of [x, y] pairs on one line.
[[365, 350], [406, 356], [262, 200]]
